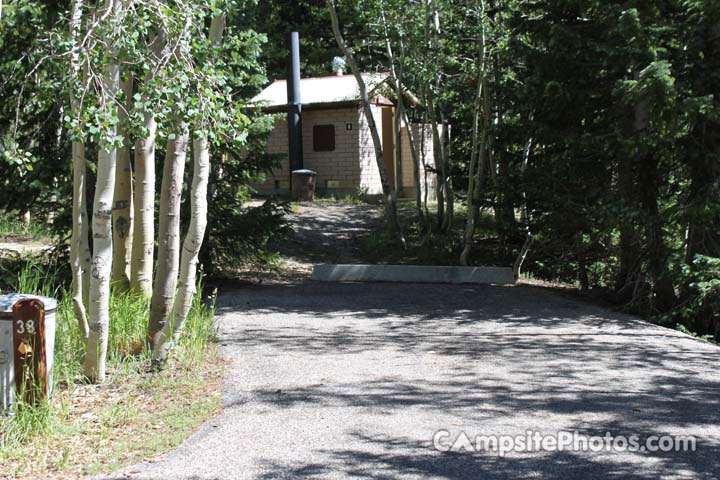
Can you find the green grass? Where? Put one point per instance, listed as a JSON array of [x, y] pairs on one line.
[[17, 229], [434, 248], [137, 413], [356, 198]]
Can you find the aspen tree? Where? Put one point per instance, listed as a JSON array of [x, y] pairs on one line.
[[143, 246], [99, 303], [79, 247], [168, 259], [196, 230], [123, 200]]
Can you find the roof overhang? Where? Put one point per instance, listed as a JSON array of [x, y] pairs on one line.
[[324, 92], [379, 101]]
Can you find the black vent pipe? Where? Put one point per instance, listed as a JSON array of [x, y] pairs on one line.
[[294, 103]]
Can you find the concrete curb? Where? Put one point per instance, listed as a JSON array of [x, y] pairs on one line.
[[412, 274]]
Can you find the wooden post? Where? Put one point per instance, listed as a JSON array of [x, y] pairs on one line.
[[30, 352]]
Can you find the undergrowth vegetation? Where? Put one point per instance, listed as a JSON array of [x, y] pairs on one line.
[[58, 433], [16, 229]]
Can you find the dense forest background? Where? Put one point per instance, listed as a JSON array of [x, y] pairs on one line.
[[585, 134]]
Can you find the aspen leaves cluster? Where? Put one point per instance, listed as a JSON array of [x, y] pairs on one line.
[[144, 74]]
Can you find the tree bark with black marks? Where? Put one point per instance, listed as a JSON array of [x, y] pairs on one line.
[[172, 329], [168, 258], [143, 247], [123, 199], [101, 265], [79, 245]]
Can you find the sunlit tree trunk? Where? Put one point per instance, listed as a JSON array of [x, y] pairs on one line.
[[439, 156], [196, 231], [448, 188], [168, 259], [143, 245], [123, 201], [79, 248], [102, 236], [143, 248], [389, 193], [171, 330]]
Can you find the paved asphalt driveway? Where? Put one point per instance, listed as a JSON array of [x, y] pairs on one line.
[[354, 380]]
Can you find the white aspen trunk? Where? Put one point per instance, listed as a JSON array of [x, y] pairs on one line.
[[102, 238], [143, 247], [171, 331], [79, 248], [448, 187], [423, 159], [191, 249], [438, 157], [168, 260], [389, 193], [123, 201], [432, 32]]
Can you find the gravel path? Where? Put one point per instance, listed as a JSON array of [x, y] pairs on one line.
[[353, 381], [325, 234], [10, 247], [322, 233]]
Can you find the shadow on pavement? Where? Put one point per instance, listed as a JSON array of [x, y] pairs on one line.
[[518, 353]]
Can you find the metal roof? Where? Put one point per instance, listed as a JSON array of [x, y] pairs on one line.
[[321, 90]]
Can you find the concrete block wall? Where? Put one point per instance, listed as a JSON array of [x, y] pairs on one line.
[[341, 165], [423, 138], [277, 182], [370, 182], [351, 167], [338, 171]]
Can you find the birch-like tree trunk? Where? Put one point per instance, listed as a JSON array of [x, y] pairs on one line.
[[439, 158], [168, 260], [143, 246], [447, 179], [123, 201], [389, 193], [102, 235], [171, 331], [79, 247]]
